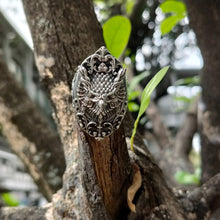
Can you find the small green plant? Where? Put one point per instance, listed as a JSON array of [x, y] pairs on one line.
[[145, 98], [177, 11]]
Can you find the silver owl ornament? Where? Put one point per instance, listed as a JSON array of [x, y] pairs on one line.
[[99, 94]]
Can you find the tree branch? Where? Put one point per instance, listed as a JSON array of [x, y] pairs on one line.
[[29, 134], [162, 134], [202, 201], [183, 141]]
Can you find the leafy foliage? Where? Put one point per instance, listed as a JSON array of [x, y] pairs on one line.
[[188, 178], [145, 98], [177, 11], [116, 33], [132, 93], [136, 80], [189, 81], [133, 106], [9, 199]]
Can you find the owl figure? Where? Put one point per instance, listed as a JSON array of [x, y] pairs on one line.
[[99, 94]]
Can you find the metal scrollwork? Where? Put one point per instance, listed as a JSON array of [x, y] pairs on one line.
[[99, 94]]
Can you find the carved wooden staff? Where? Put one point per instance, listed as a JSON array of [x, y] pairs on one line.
[[100, 103]]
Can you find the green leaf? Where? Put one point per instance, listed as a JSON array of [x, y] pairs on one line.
[[176, 7], [187, 178], [183, 99], [133, 95], [135, 80], [116, 33], [133, 107], [168, 23], [9, 199], [195, 80], [129, 6], [178, 12], [145, 98]]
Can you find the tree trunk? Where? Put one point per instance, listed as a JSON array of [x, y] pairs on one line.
[[62, 41], [205, 20], [30, 135]]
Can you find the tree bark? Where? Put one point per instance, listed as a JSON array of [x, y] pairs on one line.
[[205, 20], [29, 134], [106, 164]]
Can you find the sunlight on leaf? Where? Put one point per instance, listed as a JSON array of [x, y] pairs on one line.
[[133, 95], [195, 80], [184, 99], [173, 7], [133, 107], [168, 23], [129, 6], [145, 98], [116, 33], [135, 80], [177, 9]]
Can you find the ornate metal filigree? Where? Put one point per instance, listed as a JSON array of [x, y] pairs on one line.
[[99, 94]]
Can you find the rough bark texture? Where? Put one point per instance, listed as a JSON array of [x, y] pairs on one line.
[[110, 164], [113, 169], [155, 200], [29, 134], [205, 19], [202, 201]]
